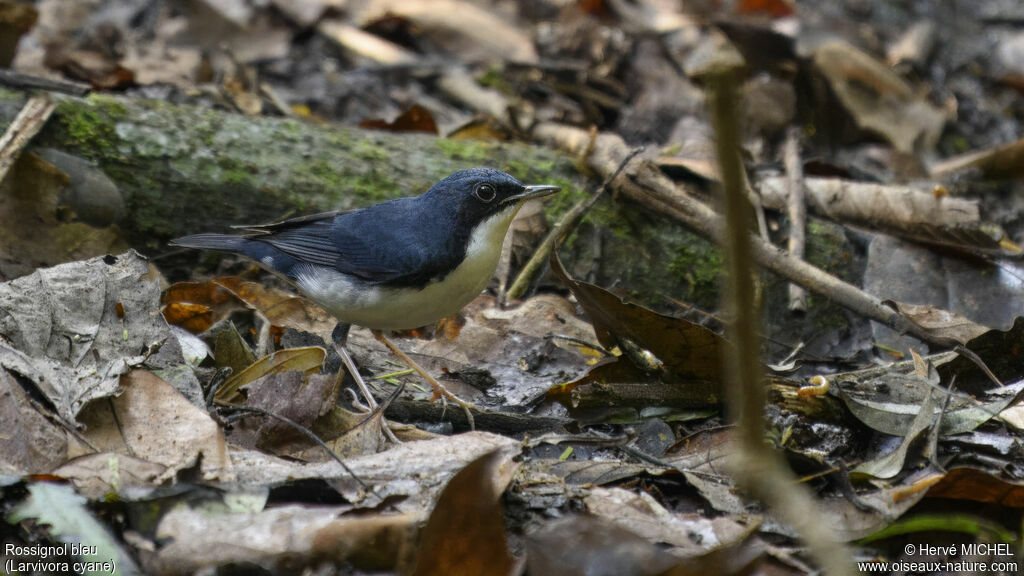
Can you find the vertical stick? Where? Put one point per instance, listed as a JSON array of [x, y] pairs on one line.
[[796, 209], [761, 472], [25, 125]]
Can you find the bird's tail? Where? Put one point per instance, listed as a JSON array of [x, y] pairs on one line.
[[265, 254], [222, 242]]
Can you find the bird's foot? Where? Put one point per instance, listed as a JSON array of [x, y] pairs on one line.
[[340, 337], [439, 390]]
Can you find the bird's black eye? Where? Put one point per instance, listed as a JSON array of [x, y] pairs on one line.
[[485, 192]]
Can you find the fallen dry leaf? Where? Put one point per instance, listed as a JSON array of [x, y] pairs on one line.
[[941, 323], [195, 539], [64, 333], [153, 421], [300, 397], [460, 28], [372, 543], [584, 545], [465, 534], [413, 472], [198, 305], [979, 486], [1004, 161], [306, 360], [415, 119], [877, 98], [685, 534], [29, 443], [100, 475], [685, 354]]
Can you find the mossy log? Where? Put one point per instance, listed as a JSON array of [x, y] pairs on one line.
[[182, 169]]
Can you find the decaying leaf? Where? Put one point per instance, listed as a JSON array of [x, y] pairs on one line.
[[153, 421], [876, 509], [1006, 161], [465, 533], [198, 305], [458, 27], [585, 472], [370, 542], [890, 464], [64, 333], [584, 545], [100, 70], [300, 397], [685, 354], [486, 129], [889, 400], [979, 486], [878, 99], [774, 8], [414, 472], [15, 20], [1001, 350], [306, 360], [30, 442], [231, 351], [685, 534], [366, 44], [941, 323], [415, 119], [514, 346], [347, 433], [275, 539], [102, 474]]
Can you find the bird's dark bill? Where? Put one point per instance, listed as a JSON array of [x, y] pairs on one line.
[[532, 192]]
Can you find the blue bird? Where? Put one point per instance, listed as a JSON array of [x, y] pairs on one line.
[[400, 264]]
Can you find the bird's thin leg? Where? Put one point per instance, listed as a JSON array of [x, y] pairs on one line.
[[340, 337], [439, 390]]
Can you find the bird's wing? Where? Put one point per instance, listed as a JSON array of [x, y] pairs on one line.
[[395, 256], [310, 242], [360, 243], [258, 229]]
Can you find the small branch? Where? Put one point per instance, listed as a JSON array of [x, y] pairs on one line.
[[365, 44], [20, 81], [891, 207], [648, 186], [796, 209], [760, 471], [25, 125], [241, 411]]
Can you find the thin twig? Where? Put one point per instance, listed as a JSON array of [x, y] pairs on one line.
[[561, 230], [760, 471], [240, 411], [26, 124], [25, 82], [581, 343], [220, 377], [796, 209]]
